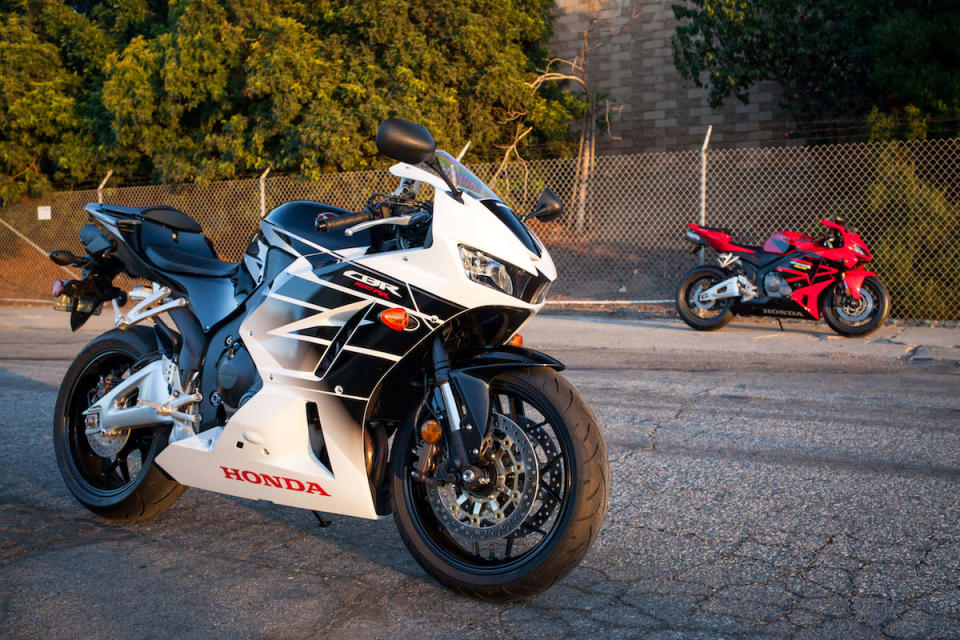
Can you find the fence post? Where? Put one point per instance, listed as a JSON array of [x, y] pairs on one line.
[[103, 183], [703, 180], [263, 192]]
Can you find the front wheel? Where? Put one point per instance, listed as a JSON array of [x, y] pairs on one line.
[[703, 316], [549, 482], [855, 318]]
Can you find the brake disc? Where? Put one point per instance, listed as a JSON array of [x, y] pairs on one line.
[[489, 515], [105, 445], [854, 311], [552, 479]]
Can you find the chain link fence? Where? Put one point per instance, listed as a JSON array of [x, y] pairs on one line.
[[621, 239]]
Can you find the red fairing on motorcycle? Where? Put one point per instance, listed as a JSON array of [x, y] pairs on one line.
[[791, 275]]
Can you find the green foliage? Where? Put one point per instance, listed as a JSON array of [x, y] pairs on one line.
[[195, 90], [832, 57], [801, 44], [917, 226]]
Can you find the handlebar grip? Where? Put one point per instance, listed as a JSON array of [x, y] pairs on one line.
[[341, 222]]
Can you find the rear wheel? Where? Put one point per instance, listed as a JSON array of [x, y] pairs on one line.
[[855, 318], [111, 475], [703, 316], [549, 478]]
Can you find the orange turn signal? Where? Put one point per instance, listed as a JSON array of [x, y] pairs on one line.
[[516, 340], [430, 431], [395, 318]]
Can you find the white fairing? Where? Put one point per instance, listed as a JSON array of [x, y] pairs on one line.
[[439, 269], [263, 451]]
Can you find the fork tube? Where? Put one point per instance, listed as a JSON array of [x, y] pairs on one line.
[[441, 366]]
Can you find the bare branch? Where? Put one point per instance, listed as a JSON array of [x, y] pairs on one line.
[[519, 134], [606, 116]]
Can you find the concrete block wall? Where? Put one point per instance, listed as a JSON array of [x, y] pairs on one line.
[[630, 59]]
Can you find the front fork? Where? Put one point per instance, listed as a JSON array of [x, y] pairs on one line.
[[471, 476]]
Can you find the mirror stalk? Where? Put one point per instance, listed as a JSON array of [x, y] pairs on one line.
[[454, 192]]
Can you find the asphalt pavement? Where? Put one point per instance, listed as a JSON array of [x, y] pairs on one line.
[[765, 483]]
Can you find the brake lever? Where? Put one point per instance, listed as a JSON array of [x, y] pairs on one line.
[[401, 221]]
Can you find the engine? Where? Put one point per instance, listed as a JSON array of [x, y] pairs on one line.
[[237, 378], [775, 286]]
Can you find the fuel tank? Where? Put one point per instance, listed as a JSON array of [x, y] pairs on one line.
[[291, 227]]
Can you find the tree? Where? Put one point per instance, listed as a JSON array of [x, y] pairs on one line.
[[832, 57], [47, 113], [210, 89]]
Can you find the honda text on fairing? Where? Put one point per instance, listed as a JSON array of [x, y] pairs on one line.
[[361, 363], [791, 275]]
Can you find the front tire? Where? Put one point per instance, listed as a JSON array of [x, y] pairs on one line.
[[561, 520], [857, 318], [114, 477], [703, 316]]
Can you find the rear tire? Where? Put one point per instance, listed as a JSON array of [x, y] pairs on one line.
[[698, 315], [857, 318], [128, 485], [578, 477]]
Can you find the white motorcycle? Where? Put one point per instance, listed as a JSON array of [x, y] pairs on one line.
[[364, 364]]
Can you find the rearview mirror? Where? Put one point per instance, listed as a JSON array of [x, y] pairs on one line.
[[549, 207], [405, 141]]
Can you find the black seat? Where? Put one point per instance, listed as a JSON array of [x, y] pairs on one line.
[[161, 214], [179, 261], [170, 217]]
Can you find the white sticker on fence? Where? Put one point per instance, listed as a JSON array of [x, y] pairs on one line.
[[43, 213]]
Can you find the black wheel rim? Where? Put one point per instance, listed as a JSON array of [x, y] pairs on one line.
[[704, 310], [552, 507], [103, 477]]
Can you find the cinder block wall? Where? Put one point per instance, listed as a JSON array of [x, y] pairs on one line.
[[630, 59]]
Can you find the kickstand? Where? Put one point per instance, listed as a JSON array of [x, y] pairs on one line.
[[324, 523], [780, 323]]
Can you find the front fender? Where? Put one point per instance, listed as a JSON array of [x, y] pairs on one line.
[[853, 280], [500, 358], [470, 371]]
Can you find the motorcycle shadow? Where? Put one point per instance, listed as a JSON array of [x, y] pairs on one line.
[[347, 547]]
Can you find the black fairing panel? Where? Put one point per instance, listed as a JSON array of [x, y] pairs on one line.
[[212, 299], [299, 218], [512, 222], [216, 344], [760, 259]]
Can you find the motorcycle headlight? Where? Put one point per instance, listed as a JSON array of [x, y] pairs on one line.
[[486, 270], [860, 250]]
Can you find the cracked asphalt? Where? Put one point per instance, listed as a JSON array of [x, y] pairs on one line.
[[757, 491]]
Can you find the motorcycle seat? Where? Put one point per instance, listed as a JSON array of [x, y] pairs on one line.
[[716, 229], [173, 242], [162, 214], [170, 217], [178, 261]]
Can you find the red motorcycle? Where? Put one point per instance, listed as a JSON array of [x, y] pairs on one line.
[[791, 275]]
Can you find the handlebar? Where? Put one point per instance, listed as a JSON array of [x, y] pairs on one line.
[[341, 222]]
